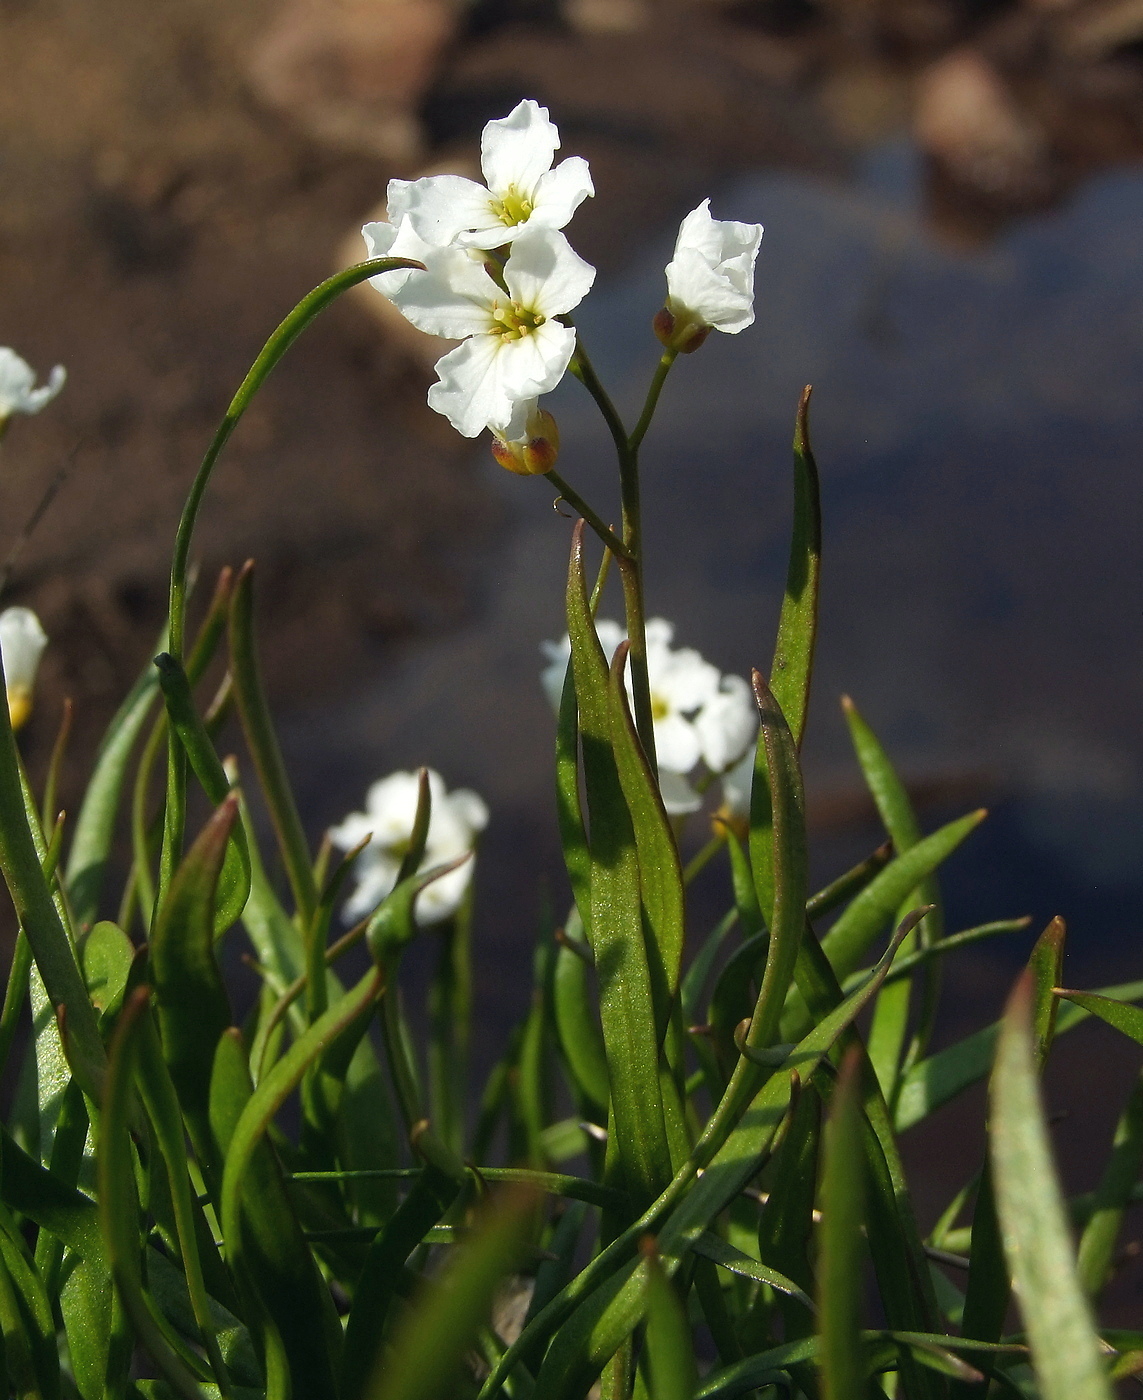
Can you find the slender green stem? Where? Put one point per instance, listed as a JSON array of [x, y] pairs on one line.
[[662, 369], [584, 371], [277, 345], [577, 503], [630, 564], [271, 353], [22, 851]]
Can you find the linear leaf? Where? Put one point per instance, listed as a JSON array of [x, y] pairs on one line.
[[668, 1348], [192, 1007], [842, 1358], [1033, 1220], [797, 625], [626, 995], [1112, 1195], [442, 1324]]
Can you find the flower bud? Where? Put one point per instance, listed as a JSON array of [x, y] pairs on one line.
[[22, 642], [533, 454], [684, 336]]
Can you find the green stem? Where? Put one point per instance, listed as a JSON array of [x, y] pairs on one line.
[[577, 503], [631, 563], [662, 369], [36, 911], [277, 345]]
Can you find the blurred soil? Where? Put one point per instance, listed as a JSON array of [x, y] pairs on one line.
[[176, 176]]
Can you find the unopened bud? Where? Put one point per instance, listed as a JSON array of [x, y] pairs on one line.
[[533, 454], [679, 333]]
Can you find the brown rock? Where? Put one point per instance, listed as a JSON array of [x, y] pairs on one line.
[[968, 121], [351, 73]]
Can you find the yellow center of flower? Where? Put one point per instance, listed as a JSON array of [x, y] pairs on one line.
[[659, 707], [513, 321], [514, 208]]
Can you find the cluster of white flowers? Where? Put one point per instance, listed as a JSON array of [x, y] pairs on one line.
[[22, 643], [18, 392], [698, 714], [455, 820], [500, 274]]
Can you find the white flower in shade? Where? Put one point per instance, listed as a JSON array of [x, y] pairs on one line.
[[513, 347], [710, 279], [736, 784], [523, 191], [18, 392], [727, 724], [455, 821], [22, 643], [558, 654], [682, 685]]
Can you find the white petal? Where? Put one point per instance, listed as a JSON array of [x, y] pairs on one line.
[[471, 809], [711, 275], [679, 797], [676, 744], [736, 786], [468, 391], [453, 297], [375, 882], [659, 633], [544, 273], [727, 724], [561, 191], [518, 149], [441, 207], [442, 898], [17, 381], [682, 679], [22, 643]]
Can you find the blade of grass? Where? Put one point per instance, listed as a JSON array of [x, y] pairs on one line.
[[1037, 1243]]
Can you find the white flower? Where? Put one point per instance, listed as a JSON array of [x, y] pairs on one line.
[[681, 683], [22, 643], [710, 279], [514, 348], [736, 784], [455, 820], [558, 655], [523, 191], [696, 712], [727, 724], [18, 393]]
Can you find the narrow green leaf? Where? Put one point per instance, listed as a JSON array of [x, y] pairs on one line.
[[626, 995], [939, 1078], [105, 955], [987, 1289], [1128, 1020], [1097, 1244], [797, 626], [779, 850], [785, 1226], [442, 1324], [842, 1358], [95, 825], [719, 1251], [262, 741], [577, 1025], [873, 909], [192, 1007], [382, 1275], [660, 871], [668, 1348], [119, 1205], [849, 884], [183, 717], [162, 1104], [889, 1027], [1037, 1241]]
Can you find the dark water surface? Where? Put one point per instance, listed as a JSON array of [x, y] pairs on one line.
[[978, 424]]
